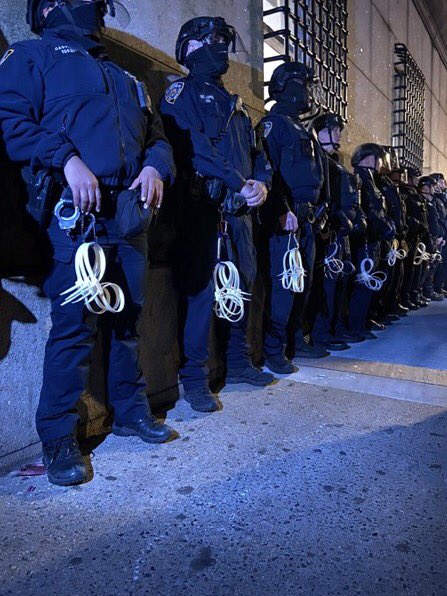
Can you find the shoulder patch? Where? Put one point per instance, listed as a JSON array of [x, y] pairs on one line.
[[173, 92], [6, 55], [266, 128]]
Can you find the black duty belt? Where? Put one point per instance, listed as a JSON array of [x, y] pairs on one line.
[[305, 212]]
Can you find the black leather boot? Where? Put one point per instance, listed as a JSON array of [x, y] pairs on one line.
[[201, 399], [147, 428], [280, 365], [306, 349], [64, 462], [249, 375]]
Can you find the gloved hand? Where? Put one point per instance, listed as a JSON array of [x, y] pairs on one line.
[[344, 222], [360, 224]]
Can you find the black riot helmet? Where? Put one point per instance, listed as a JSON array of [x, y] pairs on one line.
[[287, 72], [426, 181], [35, 8], [437, 176], [365, 150], [294, 83], [413, 172], [328, 120], [205, 29]]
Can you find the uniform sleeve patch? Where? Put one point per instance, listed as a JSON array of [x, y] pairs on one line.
[[6, 55], [266, 128], [173, 92]]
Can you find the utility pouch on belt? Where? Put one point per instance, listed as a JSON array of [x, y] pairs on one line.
[[43, 194], [206, 189], [321, 215], [212, 190], [234, 203], [131, 218]]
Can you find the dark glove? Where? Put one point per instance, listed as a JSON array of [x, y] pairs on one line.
[[344, 223], [360, 224]]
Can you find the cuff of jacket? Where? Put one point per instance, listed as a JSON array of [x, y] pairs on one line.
[[62, 155], [235, 181], [162, 168]]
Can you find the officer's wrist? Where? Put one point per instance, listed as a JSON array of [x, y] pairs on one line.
[[68, 157]]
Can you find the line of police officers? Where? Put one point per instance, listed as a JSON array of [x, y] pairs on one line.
[[68, 111]]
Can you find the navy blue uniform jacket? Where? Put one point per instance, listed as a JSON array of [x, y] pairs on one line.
[[296, 161], [195, 114], [57, 100]]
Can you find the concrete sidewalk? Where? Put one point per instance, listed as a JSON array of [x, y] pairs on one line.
[[295, 489]]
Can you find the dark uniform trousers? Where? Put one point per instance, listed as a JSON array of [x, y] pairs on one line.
[[197, 258], [325, 294], [285, 309], [74, 330], [409, 271], [440, 278], [361, 296]]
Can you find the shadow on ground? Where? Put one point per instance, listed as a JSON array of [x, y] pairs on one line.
[[282, 492]]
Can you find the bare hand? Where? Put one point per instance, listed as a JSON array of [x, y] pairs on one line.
[[255, 193], [84, 185], [151, 184], [289, 222]]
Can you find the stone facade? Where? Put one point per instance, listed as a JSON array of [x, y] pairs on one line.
[[374, 27]]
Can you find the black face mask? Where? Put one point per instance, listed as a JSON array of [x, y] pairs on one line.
[[295, 100], [209, 61], [86, 19]]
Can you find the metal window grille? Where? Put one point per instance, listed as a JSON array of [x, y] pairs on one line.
[[314, 32], [408, 108]]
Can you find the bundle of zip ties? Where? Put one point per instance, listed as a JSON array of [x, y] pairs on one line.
[[395, 253], [333, 266], [373, 281], [421, 254], [98, 297], [292, 276], [227, 285]]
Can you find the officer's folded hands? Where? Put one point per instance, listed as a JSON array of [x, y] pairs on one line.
[[255, 193]]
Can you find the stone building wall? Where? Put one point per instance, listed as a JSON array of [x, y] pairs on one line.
[[374, 27]]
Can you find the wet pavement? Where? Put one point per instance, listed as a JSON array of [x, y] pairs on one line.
[[299, 488]]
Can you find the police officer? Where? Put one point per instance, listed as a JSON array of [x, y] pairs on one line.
[[69, 111], [347, 221], [297, 182], [389, 307], [417, 217], [367, 161], [434, 240], [440, 200], [223, 176]]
